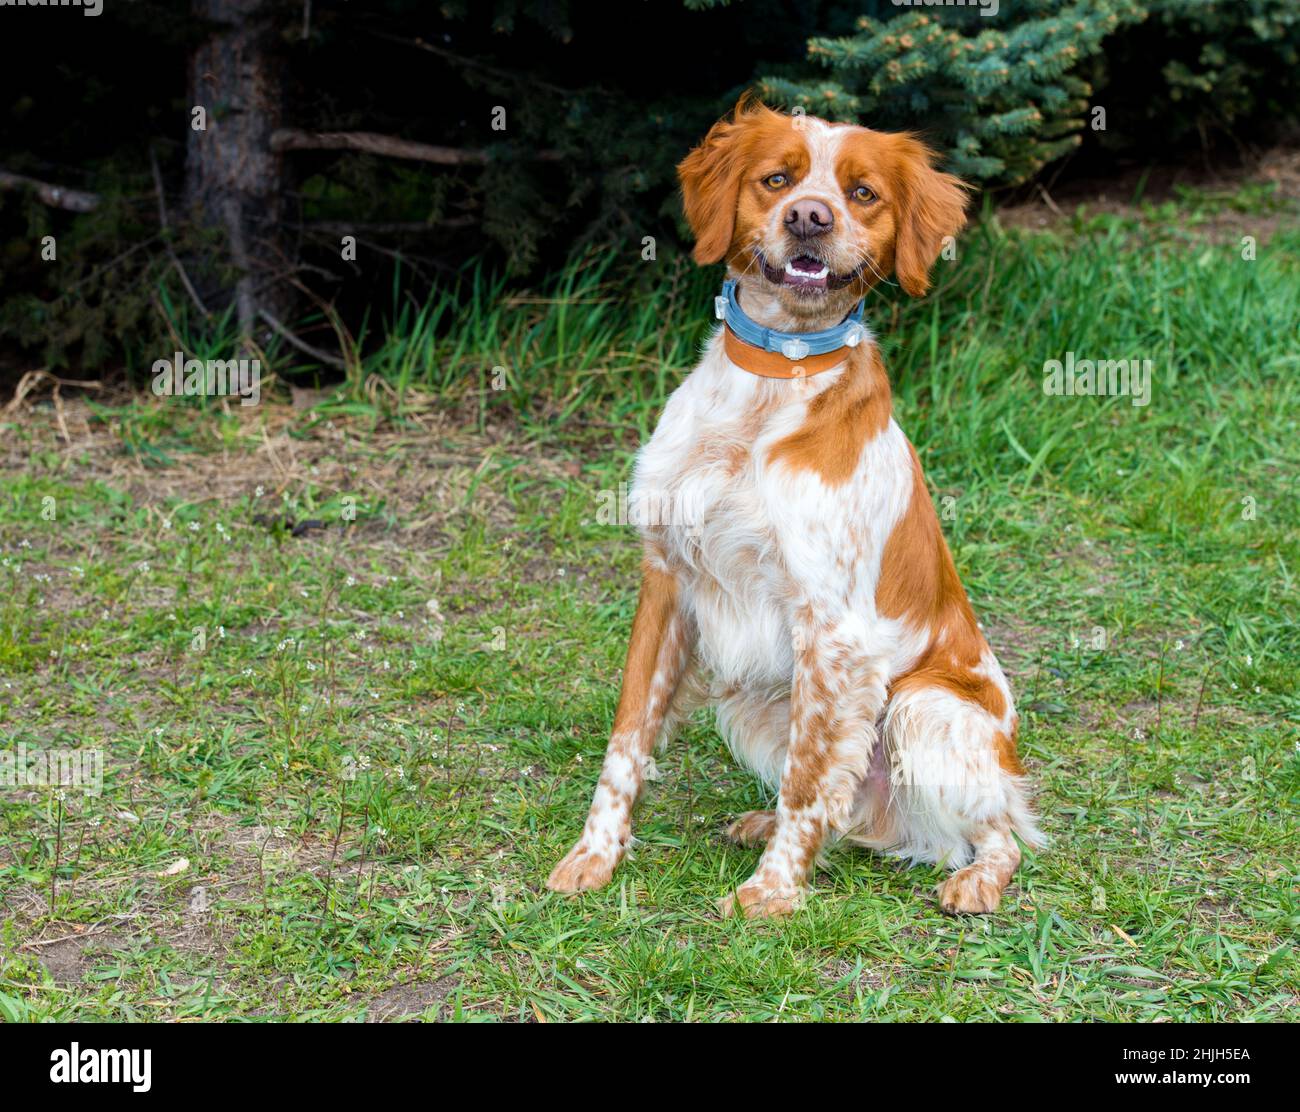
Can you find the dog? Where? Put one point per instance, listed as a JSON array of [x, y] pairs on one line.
[[794, 575]]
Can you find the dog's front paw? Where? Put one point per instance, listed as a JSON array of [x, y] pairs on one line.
[[970, 891], [758, 900], [581, 870]]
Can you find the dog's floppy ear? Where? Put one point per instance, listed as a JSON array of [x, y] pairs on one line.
[[710, 177], [932, 207]]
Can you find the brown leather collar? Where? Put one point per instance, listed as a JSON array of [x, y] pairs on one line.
[[772, 364]]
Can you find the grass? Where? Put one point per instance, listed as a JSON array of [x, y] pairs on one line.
[[339, 764]]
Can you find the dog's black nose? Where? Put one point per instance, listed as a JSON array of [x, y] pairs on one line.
[[807, 218]]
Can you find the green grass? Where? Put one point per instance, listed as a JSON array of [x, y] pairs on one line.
[[455, 650]]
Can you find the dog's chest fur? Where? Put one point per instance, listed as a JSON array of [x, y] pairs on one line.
[[707, 499]]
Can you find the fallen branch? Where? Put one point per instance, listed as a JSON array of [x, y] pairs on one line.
[[32, 379], [301, 344], [74, 200], [293, 139]]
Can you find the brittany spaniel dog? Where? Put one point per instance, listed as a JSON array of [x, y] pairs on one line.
[[795, 576]]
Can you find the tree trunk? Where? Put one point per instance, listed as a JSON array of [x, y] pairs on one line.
[[234, 181]]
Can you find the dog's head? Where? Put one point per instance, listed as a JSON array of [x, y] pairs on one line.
[[817, 212]]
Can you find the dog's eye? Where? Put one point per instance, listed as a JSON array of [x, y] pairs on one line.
[[776, 181], [863, 194]]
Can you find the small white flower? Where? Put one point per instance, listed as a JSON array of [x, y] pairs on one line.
[[1178, 646], [143, 567], [350, 582], [193, 526], [259, 491]]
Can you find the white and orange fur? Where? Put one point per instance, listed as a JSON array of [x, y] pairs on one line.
[[800, 583]]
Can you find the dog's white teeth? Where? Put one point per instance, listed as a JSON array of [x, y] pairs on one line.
[[815, 276]]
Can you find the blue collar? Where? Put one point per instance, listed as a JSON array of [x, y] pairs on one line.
[[793, 345]]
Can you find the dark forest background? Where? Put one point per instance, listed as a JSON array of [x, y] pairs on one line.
[[328, 118]]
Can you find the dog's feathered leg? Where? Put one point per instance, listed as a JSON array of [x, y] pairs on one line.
[[657, 658], [836, 697]]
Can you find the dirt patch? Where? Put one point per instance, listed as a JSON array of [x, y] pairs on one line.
[[410, 998], [68, 960], [65, 961], [1277, 170], [421, 476]]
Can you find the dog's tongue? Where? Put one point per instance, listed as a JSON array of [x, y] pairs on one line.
[[805, 272]]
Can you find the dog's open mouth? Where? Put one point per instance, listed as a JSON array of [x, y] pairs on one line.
[[806, 274]]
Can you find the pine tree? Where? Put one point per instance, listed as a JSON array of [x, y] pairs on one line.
[[1001, 96]]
